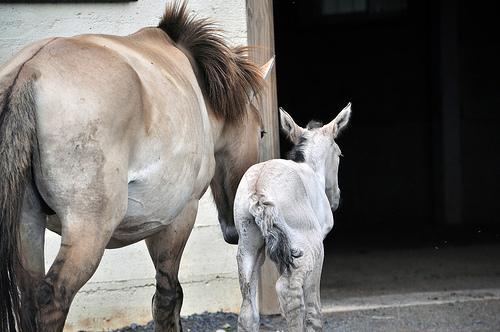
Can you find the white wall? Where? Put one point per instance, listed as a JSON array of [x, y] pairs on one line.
[[21, 24], [120, 291]]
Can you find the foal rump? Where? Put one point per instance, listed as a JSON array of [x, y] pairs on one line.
[[273, 228]]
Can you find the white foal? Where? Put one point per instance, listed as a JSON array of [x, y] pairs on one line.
[[286, 206]]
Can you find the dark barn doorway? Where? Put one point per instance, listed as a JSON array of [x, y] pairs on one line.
[[422, 154], [328, 55]]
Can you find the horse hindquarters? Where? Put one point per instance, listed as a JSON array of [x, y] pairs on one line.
[[275, 232], [300, 270], [89, 212]]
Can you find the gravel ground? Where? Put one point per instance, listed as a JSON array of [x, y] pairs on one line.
[[361, 275], [211, 322], [457, 317]]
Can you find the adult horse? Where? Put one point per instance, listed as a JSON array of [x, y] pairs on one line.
[[109, 140]]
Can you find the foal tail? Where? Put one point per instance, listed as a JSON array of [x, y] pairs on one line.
[[17, 138], [272, 225]]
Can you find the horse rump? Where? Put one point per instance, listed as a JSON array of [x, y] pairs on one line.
[[273, 228]]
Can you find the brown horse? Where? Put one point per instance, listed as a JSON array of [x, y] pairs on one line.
[[109, 140]]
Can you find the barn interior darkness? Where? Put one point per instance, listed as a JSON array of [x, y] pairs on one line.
[[421, 161]]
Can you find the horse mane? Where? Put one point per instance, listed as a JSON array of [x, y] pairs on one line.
[[297, 152], [226, 73]]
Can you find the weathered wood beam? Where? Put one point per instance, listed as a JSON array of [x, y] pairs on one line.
[[260, 32]]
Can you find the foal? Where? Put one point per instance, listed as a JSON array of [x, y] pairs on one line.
[[286, 206]]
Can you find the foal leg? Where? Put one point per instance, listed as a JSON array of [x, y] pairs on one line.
[[291, 297], [250, 258], [314, 320], [165, 248]]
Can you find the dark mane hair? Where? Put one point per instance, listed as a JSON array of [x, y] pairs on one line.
[[297, 152], [313, 124], [226, 74]]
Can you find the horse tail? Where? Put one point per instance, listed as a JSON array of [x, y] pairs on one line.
[[273, 228], [17, 138]]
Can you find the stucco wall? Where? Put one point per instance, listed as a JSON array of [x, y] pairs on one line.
[[121, 289]]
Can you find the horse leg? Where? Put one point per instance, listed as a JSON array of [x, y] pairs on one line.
[[165, 248], [82, 246], [32, 238], [87, 223], [291, 297], [314, 320], [250, 258]]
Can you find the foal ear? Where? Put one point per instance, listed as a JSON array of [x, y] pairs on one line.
[[341, 120], [266, 68], [289, 127]]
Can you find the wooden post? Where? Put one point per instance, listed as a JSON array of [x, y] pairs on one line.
[[261, 37]]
